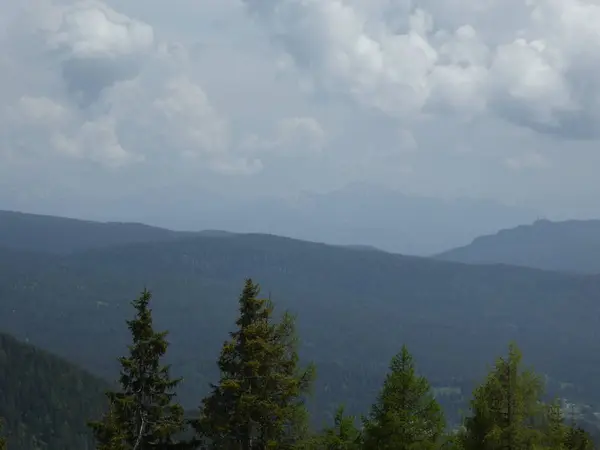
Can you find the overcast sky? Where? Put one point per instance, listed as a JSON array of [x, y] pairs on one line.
[[493, 99]]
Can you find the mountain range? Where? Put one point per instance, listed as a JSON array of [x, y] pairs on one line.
[[357, 214], [68, 291]]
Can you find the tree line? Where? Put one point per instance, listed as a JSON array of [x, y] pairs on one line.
[[259, 401]]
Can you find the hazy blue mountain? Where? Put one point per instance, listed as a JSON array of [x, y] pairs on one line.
[[359, 214], [571, 246], [364, 215]]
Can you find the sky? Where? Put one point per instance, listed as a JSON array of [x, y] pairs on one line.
[[133, 101]]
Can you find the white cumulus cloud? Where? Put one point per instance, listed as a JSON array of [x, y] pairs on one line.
[[411, 60], [108, 91], [90, 29], [292, 135], [237, 96]]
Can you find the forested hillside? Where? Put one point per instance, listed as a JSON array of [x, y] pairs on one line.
[[45, 401], [569, 246], [34, 232], [355, 308]]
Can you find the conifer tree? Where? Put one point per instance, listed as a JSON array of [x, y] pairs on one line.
[[258, 402], [577, 438], [342, 436], [554, 427], [406, 415], [142, 415], [506, 410]]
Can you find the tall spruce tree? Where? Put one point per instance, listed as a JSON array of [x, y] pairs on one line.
[[506, 410], [406, 414], [142, 415], [259, 400]]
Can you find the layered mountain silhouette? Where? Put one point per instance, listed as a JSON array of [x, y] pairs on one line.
[[570, 246]]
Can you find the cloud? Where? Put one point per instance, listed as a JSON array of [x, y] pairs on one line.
[[97, 141], [94, 45], [529, 160], [33, 119], [408, 60], [293, 135], [192, 124], [439, 98], [407, 141], [90, 29], [41, 110], [107, 91]]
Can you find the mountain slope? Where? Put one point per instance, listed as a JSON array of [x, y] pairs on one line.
[[355, 309], [44, 400], [570, 246], [34, 232]]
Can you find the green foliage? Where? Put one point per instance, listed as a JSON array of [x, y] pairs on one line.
[[143, 414], [507, 411], [258, 403], [578, 439], [554, 428], [45, 400], [259, 400], [406, 415], [343, 435]]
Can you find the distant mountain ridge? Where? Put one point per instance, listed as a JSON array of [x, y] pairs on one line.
[[372, 215], [28, 232], [61, 235], [359, 213], [568, 246]]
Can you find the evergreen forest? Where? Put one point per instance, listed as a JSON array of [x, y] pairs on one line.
[[259, 400]]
